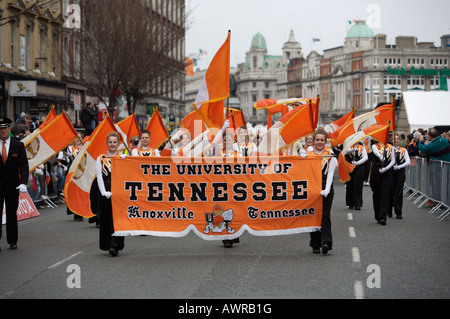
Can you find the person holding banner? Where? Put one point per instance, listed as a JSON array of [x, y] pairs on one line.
[[103, 171], [357, 155], [185, 139], [225, 151], [399, 176], [145, 149], [323, 238], [13, 179], [243, 146], [381, 179]]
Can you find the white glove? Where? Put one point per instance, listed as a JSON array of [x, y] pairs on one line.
[[123, 156], [354, 163], [303, 153], [107, 195], [396, 168], [22, 188], [325, 192], [226, 124], [382, 170]]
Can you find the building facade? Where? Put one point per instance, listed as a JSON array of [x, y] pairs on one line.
[[30, 58]]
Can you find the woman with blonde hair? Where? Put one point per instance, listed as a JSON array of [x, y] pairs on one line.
[[323, 238], [103, 170]]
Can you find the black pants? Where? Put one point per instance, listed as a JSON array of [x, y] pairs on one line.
[[107, 228], [12, 230], [324, 235], [381, 188], [354, 187], [396, 198]]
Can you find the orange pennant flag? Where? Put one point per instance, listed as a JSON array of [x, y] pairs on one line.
[[378, 132], [236, 118], [82, 173], [194, 124], [333, 126], [189, 67], [48, 119], [54, 137], [157, 129], [214, 88], [128, 128], [381, 115], [290, 128]]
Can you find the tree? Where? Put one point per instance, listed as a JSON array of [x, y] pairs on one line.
[[129, 48]]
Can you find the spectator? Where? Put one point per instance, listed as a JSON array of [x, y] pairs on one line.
[[88, 118], [413, 146], [438, 147]]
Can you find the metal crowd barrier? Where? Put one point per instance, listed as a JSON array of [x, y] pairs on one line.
[[427, 180]]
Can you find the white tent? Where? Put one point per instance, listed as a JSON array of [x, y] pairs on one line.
[[423, 110]]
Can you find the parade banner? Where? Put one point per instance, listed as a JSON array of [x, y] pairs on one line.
[[25, 210], [216, 198]]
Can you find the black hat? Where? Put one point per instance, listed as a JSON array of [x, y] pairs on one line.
[[5, 122]]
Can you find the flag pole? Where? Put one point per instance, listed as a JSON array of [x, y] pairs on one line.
[[228, 99]]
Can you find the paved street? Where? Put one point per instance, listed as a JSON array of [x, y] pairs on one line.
[[407, 258]]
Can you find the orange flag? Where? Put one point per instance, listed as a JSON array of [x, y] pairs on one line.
[[157, 130], [215, 88], [381, 115], [194, 124], [236, 118], [378, 132], [329, 128], [189, 67], [290, 128], [54, 137], [82, 174], [50, 117], [128, 128]]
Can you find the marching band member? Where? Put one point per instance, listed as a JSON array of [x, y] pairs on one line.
[[185, 139], [144, 149], [399, 176], [243, 146], [225, 151], [357, 155], [380, 179], [103, 171], [323, 238]]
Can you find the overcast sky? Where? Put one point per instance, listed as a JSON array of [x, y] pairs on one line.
[[210, 20]]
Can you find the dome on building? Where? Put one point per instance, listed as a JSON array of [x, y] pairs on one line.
[[360, 30], [258, 42]]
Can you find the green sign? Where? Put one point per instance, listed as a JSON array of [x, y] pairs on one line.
[[421, 71]]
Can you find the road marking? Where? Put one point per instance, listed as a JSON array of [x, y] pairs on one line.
[[59, 263], [355, 255], [351, 232], [358, 290], [350, 216]]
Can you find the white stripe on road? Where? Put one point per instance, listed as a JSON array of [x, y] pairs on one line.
[[59, 263], [350, 216], [355, 255], [351, 232], [358, 289]]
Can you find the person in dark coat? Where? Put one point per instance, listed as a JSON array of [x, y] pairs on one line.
[[13, 179]]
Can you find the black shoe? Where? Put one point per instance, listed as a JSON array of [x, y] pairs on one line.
[[316, 250], [12, 246], [227, 243], [350, 207], [113, 252], [325, 249], [236, 240], [357, 208], [399, 217], [382, 221]]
